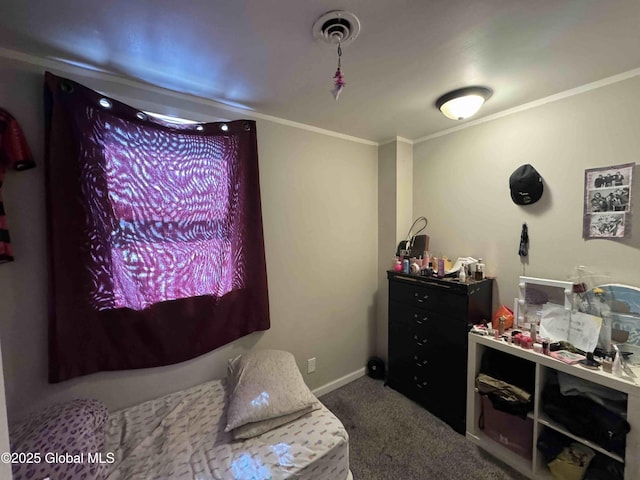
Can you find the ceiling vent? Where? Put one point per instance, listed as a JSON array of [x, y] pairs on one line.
[[337, 27]]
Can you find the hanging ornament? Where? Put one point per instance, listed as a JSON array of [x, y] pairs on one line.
[[338, 77], [337, 27]]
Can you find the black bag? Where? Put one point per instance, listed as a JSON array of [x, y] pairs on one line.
[[586, 418]]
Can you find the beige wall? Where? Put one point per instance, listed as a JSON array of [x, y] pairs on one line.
[[395, 203], [461, 184], [319, 199]]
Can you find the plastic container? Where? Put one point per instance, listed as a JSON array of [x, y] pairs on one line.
[[397, 265]]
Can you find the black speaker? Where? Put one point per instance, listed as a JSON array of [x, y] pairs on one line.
[[376, 368]]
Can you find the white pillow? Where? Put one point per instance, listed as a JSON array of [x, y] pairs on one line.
[[265, 384]]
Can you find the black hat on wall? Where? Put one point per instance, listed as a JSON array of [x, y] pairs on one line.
[[526, 185]]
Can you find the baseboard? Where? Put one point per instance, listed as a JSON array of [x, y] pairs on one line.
[[340, 382]]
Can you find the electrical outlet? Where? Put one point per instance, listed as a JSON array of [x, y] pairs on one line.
[[311, 365]]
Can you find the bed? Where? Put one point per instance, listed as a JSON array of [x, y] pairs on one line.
[[185, 436]]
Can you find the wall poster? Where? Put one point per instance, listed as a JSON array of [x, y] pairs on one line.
[[607, 201]]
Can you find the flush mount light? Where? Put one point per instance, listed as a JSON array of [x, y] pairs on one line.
[[463, 103]]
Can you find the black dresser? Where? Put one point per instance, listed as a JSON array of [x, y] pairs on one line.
[[429, 319]]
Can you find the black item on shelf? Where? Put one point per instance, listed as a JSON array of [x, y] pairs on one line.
[[586, 418], [604, 468], [551, 443]]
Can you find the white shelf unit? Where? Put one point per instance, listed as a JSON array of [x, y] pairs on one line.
[[536, 468]]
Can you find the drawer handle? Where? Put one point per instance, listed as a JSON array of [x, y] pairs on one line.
[[420, 321], [418, 341], [416, 295], [418, 362], [419, 385]]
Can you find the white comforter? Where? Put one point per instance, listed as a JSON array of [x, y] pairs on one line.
[[181, 436]]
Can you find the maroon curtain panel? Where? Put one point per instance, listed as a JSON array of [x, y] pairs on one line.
[[155, 240]]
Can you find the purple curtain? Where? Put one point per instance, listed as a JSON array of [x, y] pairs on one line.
[[156, 249]]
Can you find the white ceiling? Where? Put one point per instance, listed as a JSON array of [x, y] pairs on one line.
[[261, 55]]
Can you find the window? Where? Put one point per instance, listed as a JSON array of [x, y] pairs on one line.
[[171, 200], [156, 243]]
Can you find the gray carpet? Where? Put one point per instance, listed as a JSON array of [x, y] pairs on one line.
[[392, 437]]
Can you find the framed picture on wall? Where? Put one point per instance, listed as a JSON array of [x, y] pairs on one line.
[[607, 201]]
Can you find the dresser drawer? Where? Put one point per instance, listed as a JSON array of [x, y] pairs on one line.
[[427, 323], [436, 298]]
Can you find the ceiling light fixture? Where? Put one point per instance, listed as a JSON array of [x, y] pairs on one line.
[[463, 103]]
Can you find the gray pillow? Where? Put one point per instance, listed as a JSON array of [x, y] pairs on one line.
[[253, 429], [265, 384]]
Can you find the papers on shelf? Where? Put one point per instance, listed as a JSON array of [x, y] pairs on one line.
[[579, 329], [459, 263]]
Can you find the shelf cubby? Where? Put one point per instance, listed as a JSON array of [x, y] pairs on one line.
[[545, 368]]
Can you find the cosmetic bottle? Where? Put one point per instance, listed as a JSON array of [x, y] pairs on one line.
[[462, 276], [479, 275], [397, 265], [424, 270], [441, 267], [430, 270], [405, 265]]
